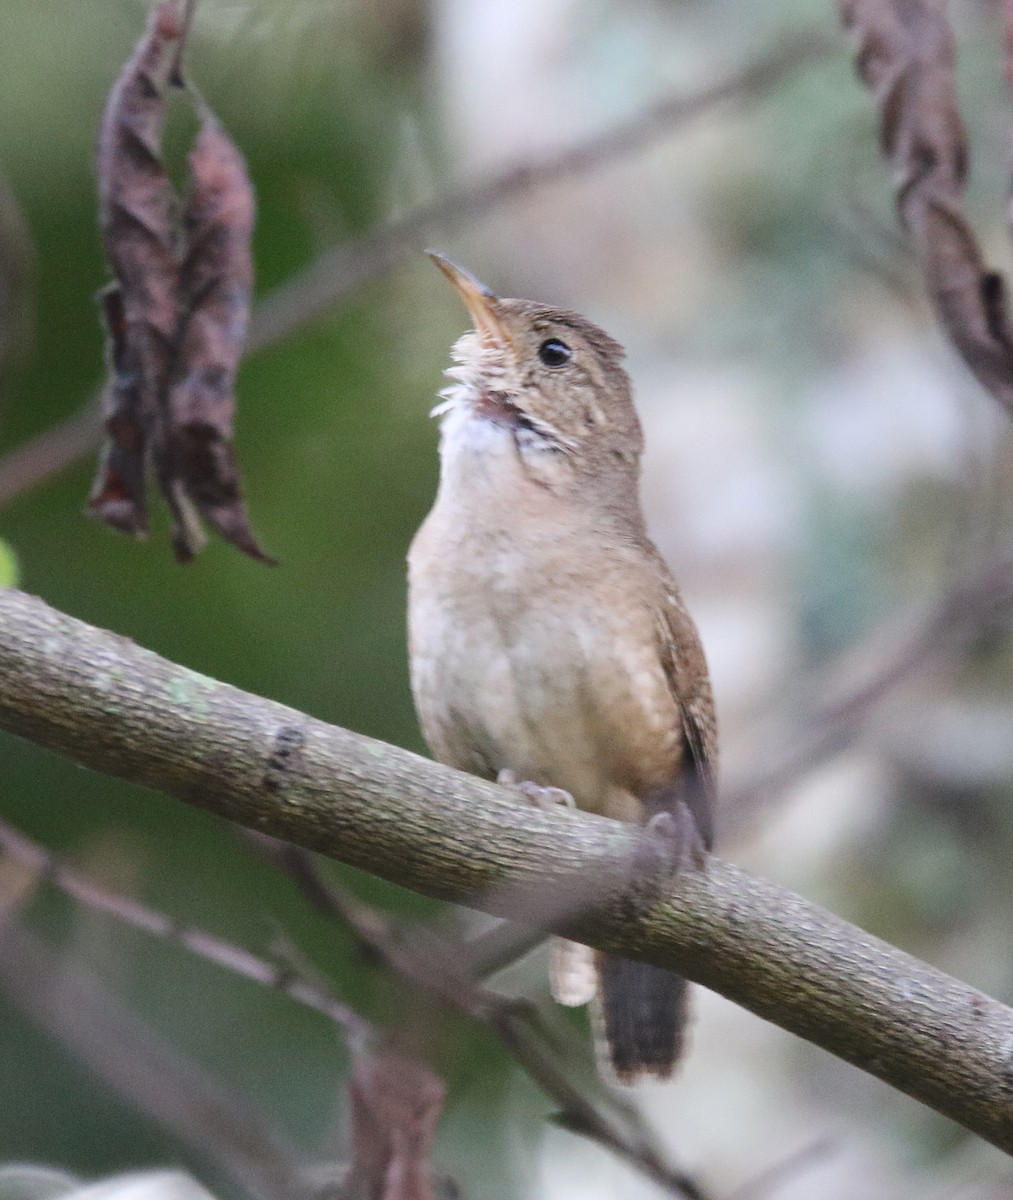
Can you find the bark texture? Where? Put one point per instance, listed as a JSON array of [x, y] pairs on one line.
[[105, 703]]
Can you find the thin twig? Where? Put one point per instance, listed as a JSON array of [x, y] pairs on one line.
[[424, 959], [395, 1100], [206, 945], [105, 703], [429, 966], [834, 726], [52, 451], [338, 272], [76, 1009], [777, 1174]]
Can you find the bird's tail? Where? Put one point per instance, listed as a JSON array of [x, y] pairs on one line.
[[573, 973], [643, 1017]]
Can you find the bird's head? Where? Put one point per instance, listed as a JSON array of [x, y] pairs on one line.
[[547, 379]]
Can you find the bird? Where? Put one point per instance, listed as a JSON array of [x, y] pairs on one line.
[[549, 646]]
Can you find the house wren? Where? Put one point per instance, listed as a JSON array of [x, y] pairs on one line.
[[548, 641]]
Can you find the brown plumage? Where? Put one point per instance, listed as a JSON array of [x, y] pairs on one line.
[[546, 635]]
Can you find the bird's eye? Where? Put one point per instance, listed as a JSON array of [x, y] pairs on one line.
[[554, 353]]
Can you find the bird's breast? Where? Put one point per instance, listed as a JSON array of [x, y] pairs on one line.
[[523, 657]]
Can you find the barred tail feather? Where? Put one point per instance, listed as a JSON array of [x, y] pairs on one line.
[[643, 1017], [573, 977]]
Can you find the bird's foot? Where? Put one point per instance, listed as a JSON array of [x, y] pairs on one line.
[[535, 793], [669, 844], [675, 839]]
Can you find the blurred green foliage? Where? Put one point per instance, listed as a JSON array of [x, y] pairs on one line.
[[8, 566], [337, 454], [795, 209]]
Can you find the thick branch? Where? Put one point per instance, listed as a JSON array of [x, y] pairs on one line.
[[105, 703]]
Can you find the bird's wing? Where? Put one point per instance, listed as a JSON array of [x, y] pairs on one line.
[[685, 668]]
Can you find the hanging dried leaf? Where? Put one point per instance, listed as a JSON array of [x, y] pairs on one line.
[[136, 221], [177, 311], [118, 492], [396, 1104], [215, 291], [906, 59]]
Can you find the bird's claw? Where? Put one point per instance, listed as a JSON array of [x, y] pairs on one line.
[[535, 793], [676, 838]]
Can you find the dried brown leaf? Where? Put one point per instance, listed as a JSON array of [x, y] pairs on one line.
[[216, 286], [118, 492], [906, 58], [136, 221], [396, 1102], [177, 312]]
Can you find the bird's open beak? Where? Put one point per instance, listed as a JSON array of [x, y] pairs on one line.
[[481, 303]]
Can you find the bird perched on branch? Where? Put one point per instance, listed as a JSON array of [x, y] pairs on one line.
[[549, 645]]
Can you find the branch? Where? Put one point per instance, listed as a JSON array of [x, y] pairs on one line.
[[447, 971], [105, 703], [425, 960], [337, 272], [197, 941], [833, 726], [332, 277]]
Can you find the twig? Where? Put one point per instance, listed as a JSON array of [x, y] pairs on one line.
[[496, 948], [338, 272], [431, 967], [74, 1008], [779, 1173], [834, 726], [197, 941], [579, 1115], [435, 964], [51, 451], [105, 703], [395, 1100]]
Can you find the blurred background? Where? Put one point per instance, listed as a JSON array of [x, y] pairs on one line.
[[821, 474]]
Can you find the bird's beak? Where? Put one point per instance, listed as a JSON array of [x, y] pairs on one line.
[[481, 303]]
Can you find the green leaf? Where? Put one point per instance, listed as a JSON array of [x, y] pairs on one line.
[[8, 566]]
